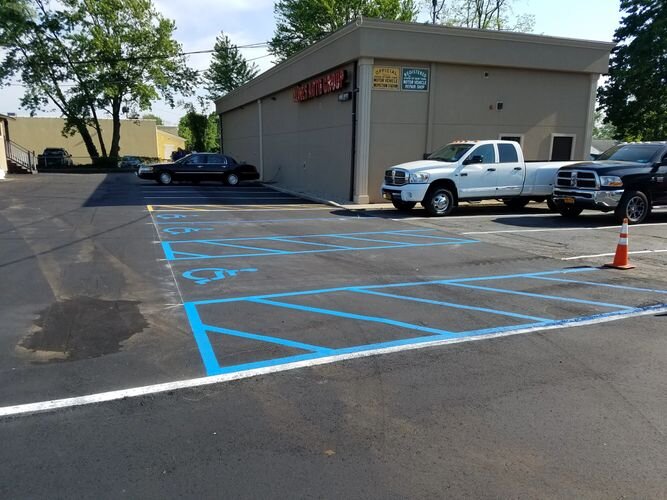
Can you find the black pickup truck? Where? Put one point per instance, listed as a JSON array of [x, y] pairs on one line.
[[629, 179]]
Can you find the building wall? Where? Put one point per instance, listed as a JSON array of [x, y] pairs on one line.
[[167, 143], [3, 153], [307, 146], [462, 105], [137, 137]]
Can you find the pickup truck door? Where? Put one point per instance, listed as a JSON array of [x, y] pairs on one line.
[[511, 171], [659, 182], [479, 180]]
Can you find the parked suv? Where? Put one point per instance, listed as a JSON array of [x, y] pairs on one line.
[[54, 157], [629, 179]]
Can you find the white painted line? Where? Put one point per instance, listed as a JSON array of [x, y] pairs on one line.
[[248, 198], [636, 252], [455, 217], [546, 230], [103, 397], [272, 208]]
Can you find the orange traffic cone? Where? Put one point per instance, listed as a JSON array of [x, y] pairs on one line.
[[621, 257]]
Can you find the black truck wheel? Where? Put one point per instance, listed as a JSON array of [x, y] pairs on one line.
[[634, 206], [516, 203], [403, 205], [439, 202], [552, 206], [570, 212]]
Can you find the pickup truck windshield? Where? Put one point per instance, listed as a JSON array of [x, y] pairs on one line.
[[639, 153], [450, 153]]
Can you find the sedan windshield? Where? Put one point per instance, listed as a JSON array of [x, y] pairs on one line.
[[450, 153], [640, 153]]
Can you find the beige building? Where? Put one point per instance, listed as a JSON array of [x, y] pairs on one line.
[[330, 120], [137, 137]]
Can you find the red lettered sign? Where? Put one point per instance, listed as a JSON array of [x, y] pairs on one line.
[[326, 84]]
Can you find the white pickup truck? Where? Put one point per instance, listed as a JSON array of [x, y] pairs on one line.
[[470, 171]]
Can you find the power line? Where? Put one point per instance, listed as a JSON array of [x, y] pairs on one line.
[[17, 84]]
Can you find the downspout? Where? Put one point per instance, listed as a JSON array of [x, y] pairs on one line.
[[222, 150], [261, 141], [354, 129]]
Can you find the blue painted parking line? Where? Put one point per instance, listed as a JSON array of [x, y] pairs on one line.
[[375, 240], [606, 285], [361, 317], [211, 363], [451, 304], [302, 242], [540, 296], [204, 247], [269, 339]]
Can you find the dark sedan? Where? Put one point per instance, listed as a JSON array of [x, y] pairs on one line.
[[198, 167]]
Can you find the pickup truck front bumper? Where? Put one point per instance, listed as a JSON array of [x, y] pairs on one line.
[[409, 192], [583, 198]]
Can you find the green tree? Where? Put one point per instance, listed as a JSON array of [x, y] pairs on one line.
[[151, 116], [88, 58], [480, 14], [602, 130], [634, 97], [301, 23], [228, 70], [199, 130]]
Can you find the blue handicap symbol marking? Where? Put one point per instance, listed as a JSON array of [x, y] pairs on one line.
[[208, 274], [171, 216], [185, 230]]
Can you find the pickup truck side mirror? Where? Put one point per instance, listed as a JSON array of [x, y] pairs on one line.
[[473, 159]]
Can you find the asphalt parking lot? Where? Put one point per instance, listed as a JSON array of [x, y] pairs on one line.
[[188, 340]]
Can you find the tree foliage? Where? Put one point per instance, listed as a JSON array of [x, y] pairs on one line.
[[92, 58], [480, 14], [602, 130], [151, 116], [228, 70], [200, 131], [634, 98], [301, 23]]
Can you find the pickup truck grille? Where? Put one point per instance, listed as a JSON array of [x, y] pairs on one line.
[[581, 179], [395, 177]]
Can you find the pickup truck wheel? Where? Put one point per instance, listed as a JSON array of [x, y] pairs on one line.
[[403, 205], [634, 206], [551, 205], [569, 212], [439, 202], [164, 178], [516, 203]]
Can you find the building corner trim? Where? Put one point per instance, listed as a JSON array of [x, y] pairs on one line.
[[363, 129]]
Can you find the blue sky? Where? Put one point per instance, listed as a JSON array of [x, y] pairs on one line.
[[250, 21]]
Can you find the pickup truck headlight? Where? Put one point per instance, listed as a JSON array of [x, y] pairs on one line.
[[611, 181], [419, 178]]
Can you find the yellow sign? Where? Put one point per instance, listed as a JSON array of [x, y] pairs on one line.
[[386, 78]]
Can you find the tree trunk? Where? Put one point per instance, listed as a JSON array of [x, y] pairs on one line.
[[87, 140], [115, 138]]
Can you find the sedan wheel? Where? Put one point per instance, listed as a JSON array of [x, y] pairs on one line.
[[232, 179], [165, 178]]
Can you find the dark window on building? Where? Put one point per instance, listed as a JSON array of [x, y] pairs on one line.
[[561, 148], [515, 138], [507, 153]]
